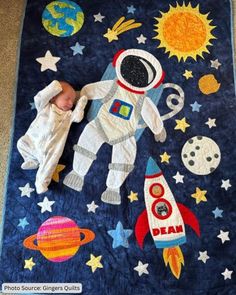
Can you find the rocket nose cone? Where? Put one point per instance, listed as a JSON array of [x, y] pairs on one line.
[[152, 167]]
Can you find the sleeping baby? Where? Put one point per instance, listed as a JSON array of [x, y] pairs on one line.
[[43, 144]]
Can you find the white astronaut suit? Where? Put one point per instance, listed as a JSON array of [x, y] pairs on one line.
[[124, 103], [43, 143]]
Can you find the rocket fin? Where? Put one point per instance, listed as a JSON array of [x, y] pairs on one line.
[[189, 218], [141, 228]]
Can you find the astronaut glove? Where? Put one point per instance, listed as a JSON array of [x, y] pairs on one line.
[[161, 136], [78, 112]]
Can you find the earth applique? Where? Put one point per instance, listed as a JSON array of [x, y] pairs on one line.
[[63, 18]]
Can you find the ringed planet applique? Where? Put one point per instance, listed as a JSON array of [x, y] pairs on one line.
[[59, 238]]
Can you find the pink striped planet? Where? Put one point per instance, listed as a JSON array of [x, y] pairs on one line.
[[59, 238]]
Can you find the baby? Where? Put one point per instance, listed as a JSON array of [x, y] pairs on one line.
[[42, 145]]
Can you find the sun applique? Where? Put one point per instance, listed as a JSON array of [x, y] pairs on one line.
[[184, 32]]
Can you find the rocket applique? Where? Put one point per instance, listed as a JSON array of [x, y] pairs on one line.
[[164, 218]]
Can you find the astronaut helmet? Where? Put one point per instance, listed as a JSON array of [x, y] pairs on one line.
[[138, 70]]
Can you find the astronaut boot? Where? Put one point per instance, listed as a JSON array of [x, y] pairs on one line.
[[111, 196], [74, 181]]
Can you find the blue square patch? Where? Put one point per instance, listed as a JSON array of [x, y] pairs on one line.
[[121, 109]]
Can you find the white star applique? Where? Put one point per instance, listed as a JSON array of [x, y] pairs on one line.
[[92, 207], [141, 39], [215, 64], [141, 268], [46, 205], [227, 274], [26, 190], [98, 17], [225, 184], [178, 178], [224, 236], [48, 62], [203, 256], [211, 123]]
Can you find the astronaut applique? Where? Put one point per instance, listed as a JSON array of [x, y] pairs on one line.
[[124, 103], [42, 145]]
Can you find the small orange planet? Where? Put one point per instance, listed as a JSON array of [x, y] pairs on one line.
[[208, 84], [59, 238]]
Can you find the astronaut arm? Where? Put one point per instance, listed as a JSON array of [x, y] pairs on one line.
[[43, 97], [78, 113], [151, 116], [96, 90]]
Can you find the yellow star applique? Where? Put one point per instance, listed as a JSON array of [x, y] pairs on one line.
[[133, 196], [111, 35], [199, 195], [55, 175], [188, 74], [165, 158], [181, 125], [94, 262], [29, 263]]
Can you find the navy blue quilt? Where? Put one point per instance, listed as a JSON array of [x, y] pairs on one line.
[[174, 230]]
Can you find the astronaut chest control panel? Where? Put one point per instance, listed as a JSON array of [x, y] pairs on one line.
[[121, 109]]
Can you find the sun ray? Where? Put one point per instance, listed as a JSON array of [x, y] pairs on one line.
[[183, 31]]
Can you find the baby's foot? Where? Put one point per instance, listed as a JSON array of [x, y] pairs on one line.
[[41, 187], [30, 164]]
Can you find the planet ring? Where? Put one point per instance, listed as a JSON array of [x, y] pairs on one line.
[[30, 244]]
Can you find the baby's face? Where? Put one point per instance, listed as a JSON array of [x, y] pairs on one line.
[[65, 99]]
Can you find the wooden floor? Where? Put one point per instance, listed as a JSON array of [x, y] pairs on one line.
[[11, 12]]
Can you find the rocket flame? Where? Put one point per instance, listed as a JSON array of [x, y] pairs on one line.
[[120, 27], [175, 258]]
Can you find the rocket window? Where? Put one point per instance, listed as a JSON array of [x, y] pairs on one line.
[[156, 190], [161, 209]]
